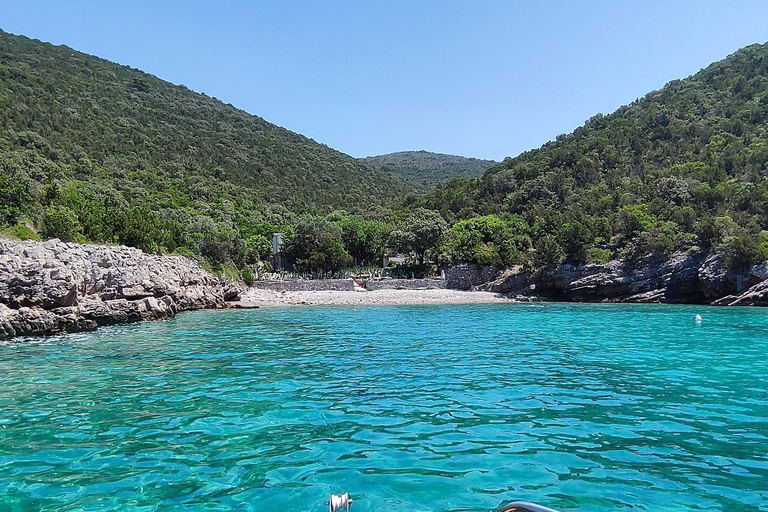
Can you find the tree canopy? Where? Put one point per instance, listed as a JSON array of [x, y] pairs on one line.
[[651, 177]]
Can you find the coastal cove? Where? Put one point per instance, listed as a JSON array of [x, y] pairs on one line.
[[55, 287], [464, 407]]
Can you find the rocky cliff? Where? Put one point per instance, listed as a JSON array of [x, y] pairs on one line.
[[695, 277], [55, 287]]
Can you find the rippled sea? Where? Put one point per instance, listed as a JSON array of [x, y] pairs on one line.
[[409, 408]]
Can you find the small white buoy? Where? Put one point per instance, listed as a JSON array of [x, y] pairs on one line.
[[698, 320]]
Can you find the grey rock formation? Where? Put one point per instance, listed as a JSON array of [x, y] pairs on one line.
[[55, 287], [756, 295], [691, 277]]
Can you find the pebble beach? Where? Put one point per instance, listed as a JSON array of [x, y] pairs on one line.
[[271, 298]]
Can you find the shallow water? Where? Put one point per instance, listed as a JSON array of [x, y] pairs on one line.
[[578, 407]]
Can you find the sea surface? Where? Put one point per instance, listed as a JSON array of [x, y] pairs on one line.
[[408, 408]]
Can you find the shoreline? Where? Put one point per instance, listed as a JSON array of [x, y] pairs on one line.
[[54, 287], [258, 298]]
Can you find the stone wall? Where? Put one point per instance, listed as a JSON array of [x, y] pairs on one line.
[[465, 277], [405, 284]]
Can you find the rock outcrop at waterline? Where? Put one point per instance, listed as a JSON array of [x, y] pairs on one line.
[[695, 277], [55, 287]]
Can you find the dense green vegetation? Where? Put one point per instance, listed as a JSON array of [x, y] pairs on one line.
[[686, 165], [95, 151], [430, 169]]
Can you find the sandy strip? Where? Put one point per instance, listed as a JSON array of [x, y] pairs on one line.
[[267, 298]]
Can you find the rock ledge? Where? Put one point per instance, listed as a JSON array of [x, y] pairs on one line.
[[56, 287]]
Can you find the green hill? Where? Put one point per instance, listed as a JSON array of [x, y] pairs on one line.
[[75, 125], [430, 169], [685, 165]]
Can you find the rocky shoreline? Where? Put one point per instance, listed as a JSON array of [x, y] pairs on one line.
[[55, 287], [694, 277]]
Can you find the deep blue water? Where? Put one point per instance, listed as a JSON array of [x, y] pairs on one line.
[[411, 408]]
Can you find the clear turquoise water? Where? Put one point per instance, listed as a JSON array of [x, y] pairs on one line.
[[578, 407]]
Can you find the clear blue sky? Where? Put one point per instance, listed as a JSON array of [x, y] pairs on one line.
[[477, 78]]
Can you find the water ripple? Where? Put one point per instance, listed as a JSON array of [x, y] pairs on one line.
[[591, 407]]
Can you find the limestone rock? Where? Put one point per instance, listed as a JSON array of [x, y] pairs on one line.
[[51, 287], [689, 277], [757, 295]]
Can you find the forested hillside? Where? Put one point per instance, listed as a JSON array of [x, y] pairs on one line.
[[431, 169], [94, 151], [110, 149], [686, 165]]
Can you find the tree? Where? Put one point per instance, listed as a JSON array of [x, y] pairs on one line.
[[61, 222], [484, 241], [139, 226], [258, 247], [316, 245], [364, 239], [575, 239], [548, 252], [13, 199], [421, 231]]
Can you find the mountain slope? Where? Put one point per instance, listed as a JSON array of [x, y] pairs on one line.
[[430, 169], [687, 164], [126, 137]]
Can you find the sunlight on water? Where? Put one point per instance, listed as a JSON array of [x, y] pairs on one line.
[[577, 407]]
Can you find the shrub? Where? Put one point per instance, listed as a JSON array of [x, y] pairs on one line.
[[22, 232], [741, 251], [247, 275], [599, 256], [548, 252], [61, 222]]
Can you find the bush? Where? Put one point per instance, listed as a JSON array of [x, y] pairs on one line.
[[741, 251], [14, 198], [258, 248], [316, 245], [548, 252], [247, 275], [22, 232], [599, 256], [61, 222], [139, 227]]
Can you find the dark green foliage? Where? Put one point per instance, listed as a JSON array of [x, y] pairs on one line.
[[548, 252], [648, 178], [138, 226], [430, 169], [14, 198], [365, 240], [598, 256], [740, 248], [61, 222], [421, 231], [487, 240], [575, 239], [132, 159], [247, 276], [316, 245], [258, 248], [742, 251], [218, 242]]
